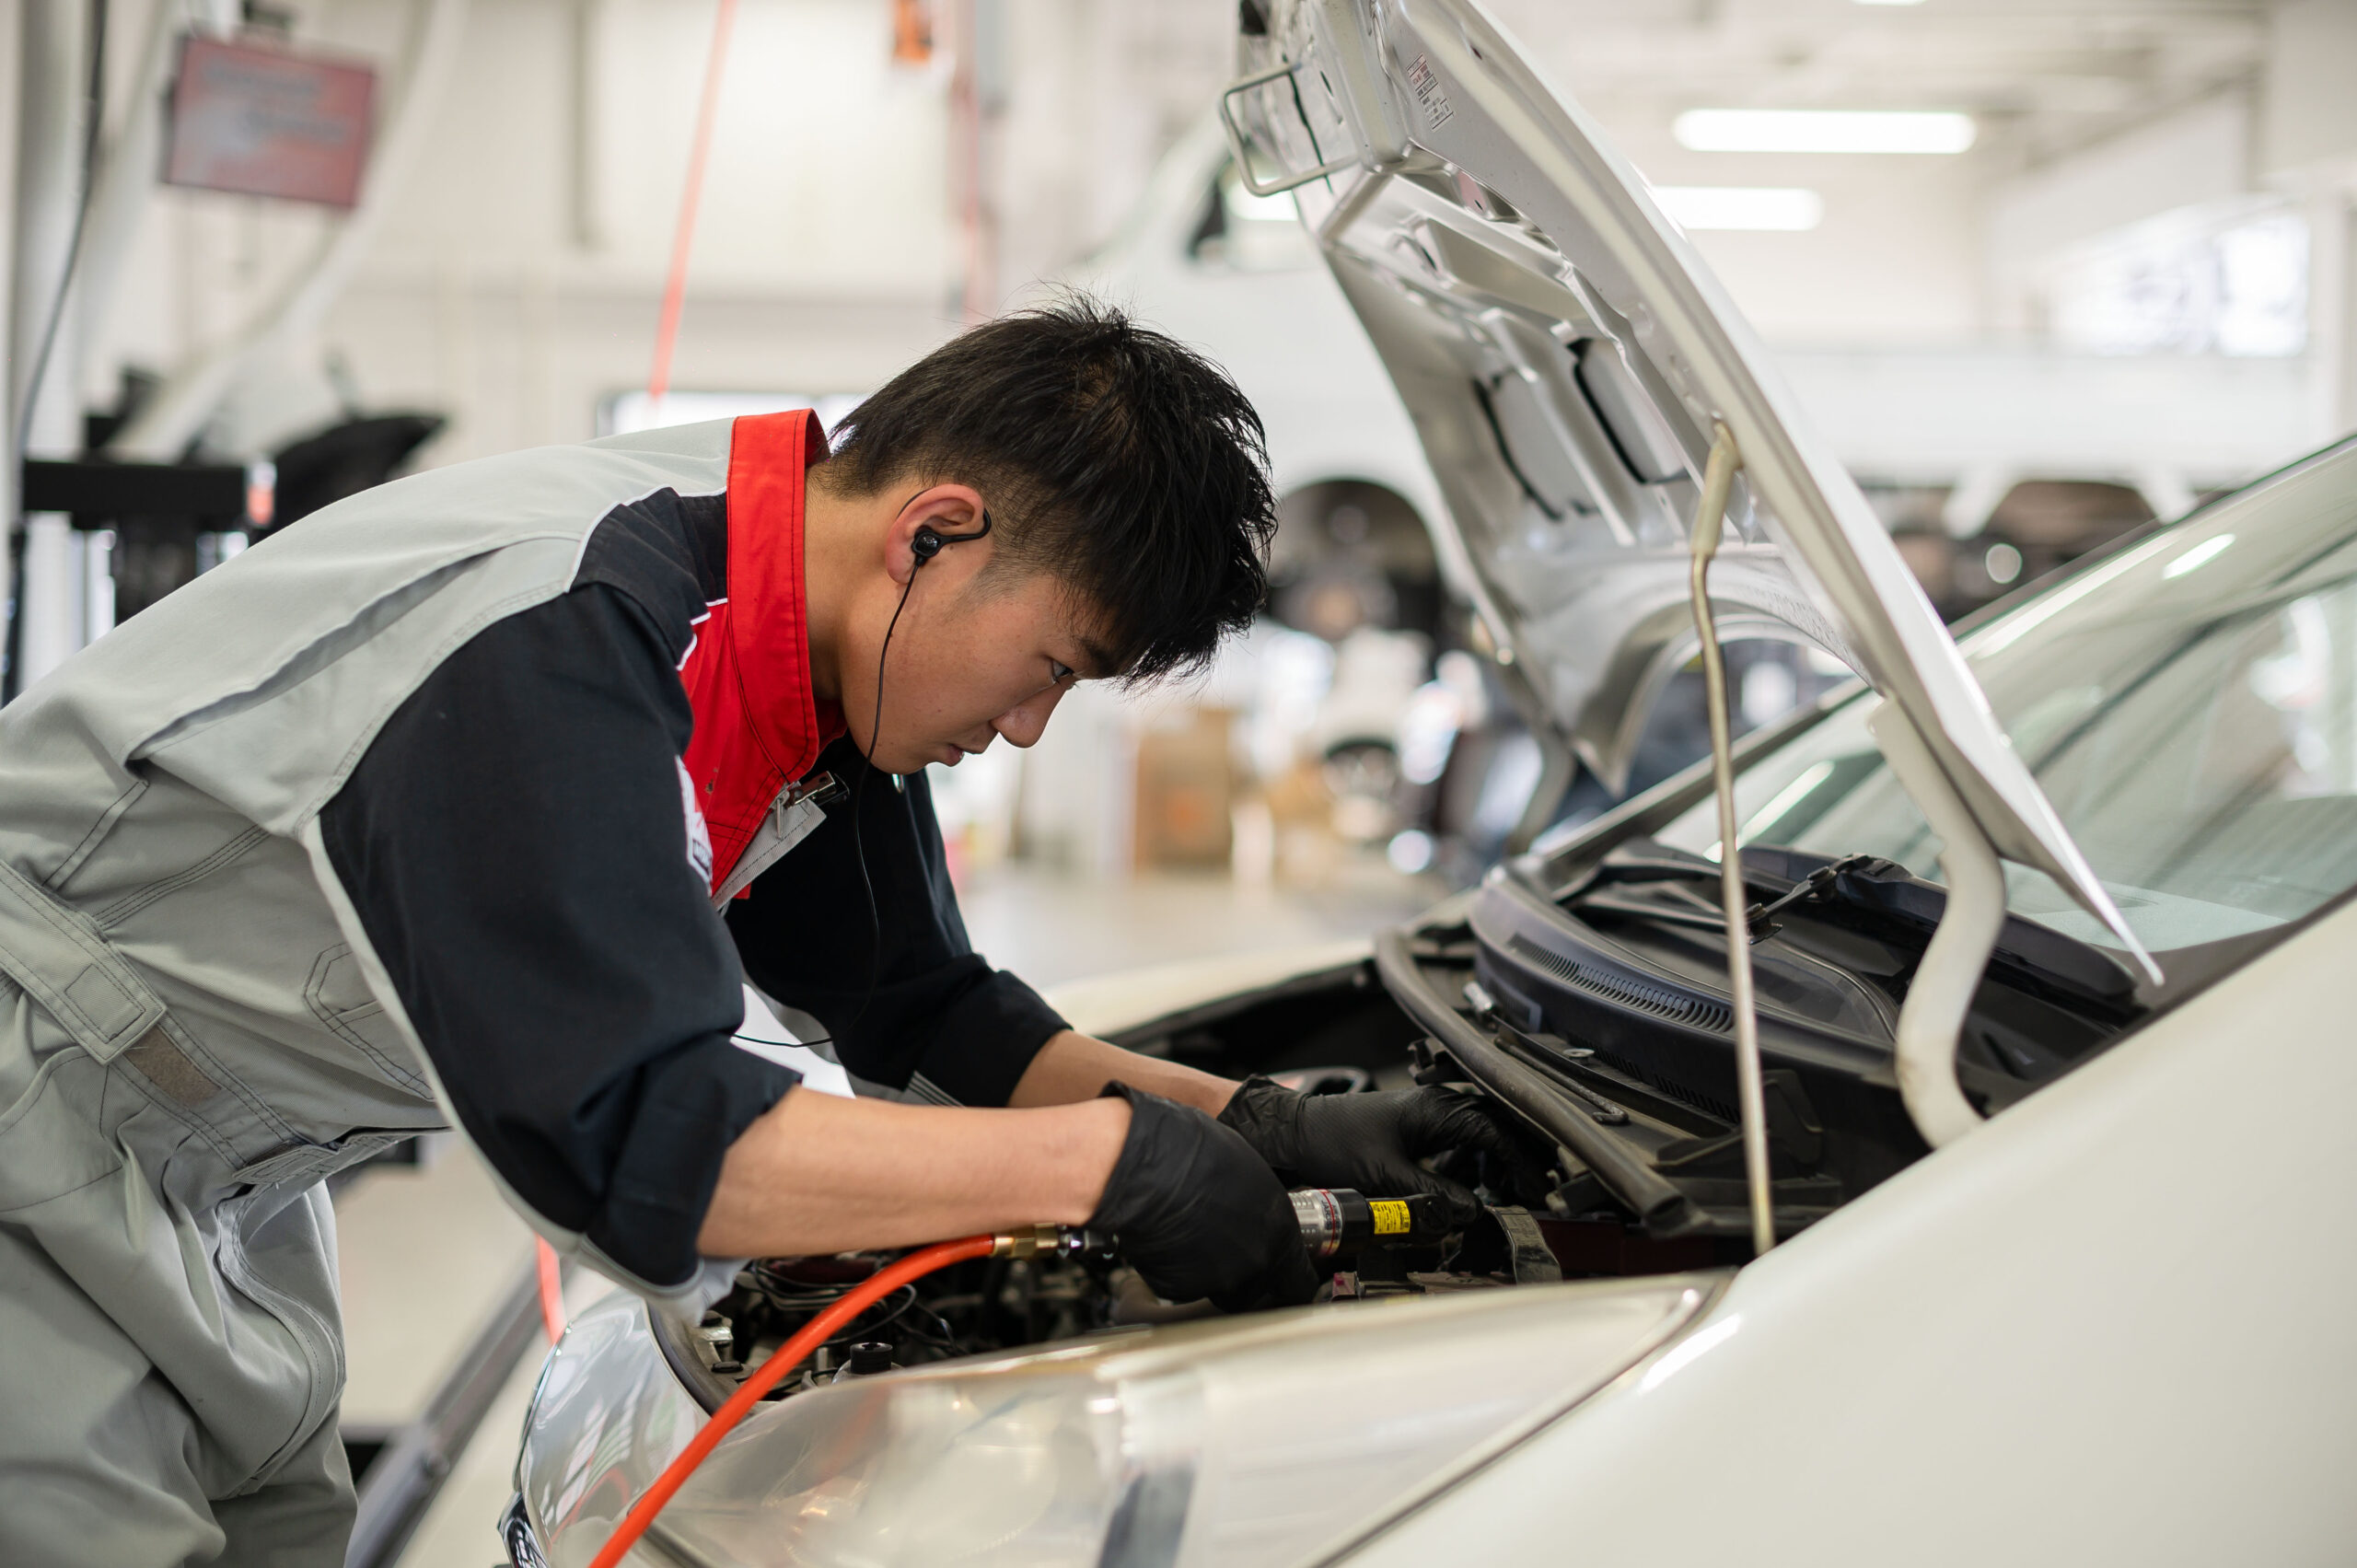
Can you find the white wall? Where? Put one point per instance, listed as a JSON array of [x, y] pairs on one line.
[[519, 280], [2165, 422], [2309, 116], [2307, 145], [1893, 262], [516, 278], [2198, 155], [1100, 90]]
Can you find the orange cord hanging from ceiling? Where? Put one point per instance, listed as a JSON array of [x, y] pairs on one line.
[[551, 1289], [912, 32], [883, 1282], [675, 284]]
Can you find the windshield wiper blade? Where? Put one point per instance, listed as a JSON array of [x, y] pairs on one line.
[[1646, 860], [1882, 889], [1889, 890], [1607, 902], [1643, 860]]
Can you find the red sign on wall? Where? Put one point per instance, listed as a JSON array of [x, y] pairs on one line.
[[264, 122]]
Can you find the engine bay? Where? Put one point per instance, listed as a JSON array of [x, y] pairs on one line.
[[1005, 1304], [1583, 996], [1548, 1217]]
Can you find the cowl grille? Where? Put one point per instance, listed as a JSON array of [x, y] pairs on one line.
[[1627, 990]]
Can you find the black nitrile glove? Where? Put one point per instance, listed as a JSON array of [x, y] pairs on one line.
[[1197, 1213], [1368, 1142]]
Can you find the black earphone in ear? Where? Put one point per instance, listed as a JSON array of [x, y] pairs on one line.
[[929, 543]]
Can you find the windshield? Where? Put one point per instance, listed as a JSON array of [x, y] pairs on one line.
[[2189, 706]]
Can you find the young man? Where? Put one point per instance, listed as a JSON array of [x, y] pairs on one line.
[[472, 797]]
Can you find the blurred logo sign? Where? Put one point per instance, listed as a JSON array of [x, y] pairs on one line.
[[2228, 277], [265, 123]]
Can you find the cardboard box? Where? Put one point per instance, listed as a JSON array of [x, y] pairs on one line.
[[1186, 791]]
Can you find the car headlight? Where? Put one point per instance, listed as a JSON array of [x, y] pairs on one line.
[[1240, 1445]]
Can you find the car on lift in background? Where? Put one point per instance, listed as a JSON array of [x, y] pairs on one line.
[[2052, 941]]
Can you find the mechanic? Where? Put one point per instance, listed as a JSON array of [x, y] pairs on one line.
[[422, 810]]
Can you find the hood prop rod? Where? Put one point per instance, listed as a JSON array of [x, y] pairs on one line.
[[1751, 1097]]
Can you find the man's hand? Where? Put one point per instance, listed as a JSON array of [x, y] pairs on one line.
[[1367, 1141], [1371, 1143], [1197, 1213]]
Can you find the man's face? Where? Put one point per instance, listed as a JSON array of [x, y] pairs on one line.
[[972, 660]]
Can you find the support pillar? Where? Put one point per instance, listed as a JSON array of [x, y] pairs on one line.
[[53, 62], [2332, 312]]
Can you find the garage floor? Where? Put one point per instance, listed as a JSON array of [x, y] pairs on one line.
[[430, 1252]]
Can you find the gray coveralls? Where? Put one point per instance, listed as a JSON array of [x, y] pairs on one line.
[[194, 1027]]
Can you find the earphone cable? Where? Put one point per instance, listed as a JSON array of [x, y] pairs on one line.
[[926, 545], [858, 838]]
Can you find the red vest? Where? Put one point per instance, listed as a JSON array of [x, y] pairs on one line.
[[758, 726]]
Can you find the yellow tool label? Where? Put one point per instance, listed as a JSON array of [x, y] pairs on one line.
[[1390, 1216]]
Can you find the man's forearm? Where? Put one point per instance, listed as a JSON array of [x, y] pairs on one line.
[[1072, 1067], [821, 1173]]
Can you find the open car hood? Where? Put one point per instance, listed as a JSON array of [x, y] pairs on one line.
[[1565, 353]]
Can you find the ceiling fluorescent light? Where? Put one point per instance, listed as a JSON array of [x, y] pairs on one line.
[[1787, 210], [1890, 2], [1823, 131]]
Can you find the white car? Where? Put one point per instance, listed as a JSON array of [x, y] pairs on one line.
[[2055, 971]]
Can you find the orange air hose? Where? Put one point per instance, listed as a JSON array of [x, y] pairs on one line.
[[790, 1356]]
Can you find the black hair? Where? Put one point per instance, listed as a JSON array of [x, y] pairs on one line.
[[1112, 458]]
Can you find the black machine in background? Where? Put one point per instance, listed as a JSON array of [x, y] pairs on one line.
[[161, 513], [344, 459], [156, 510]]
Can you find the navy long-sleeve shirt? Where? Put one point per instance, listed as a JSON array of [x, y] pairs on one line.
[[515, 842]]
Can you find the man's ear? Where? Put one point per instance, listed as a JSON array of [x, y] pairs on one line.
[[953, 511]]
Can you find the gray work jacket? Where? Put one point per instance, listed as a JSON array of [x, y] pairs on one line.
[[194, 1027]]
